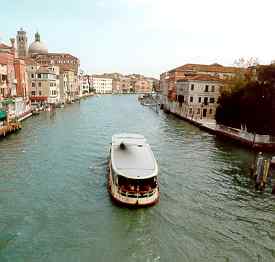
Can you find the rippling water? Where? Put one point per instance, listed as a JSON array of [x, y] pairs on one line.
[[54, 205]]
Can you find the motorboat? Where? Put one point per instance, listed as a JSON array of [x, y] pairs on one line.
[[133, 171]]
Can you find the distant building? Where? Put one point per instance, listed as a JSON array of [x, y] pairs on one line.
[[123, 85], [84, 84], [37, 47], [197, 96], [37, 55], [142, 86], [102, 85], [22, 43], [22, 87], [69, 86]]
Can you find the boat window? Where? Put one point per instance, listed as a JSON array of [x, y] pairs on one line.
[[132, 185]]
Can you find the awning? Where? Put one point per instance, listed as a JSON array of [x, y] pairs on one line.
[[3, 115], [7, 101], [38, 98]]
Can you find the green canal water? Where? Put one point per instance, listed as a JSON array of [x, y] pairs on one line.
[[54, 205]]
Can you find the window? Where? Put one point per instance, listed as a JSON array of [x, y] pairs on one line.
[[191, 99], [32, 75], [33, 84], [213, 88], [39, 84], [192, 87], [199, 99], [39, 75], [205, 100], [210, 111], [212, 100], [206, 88], [4, 78], [33, 93], [199, 111], [190, 111], [40, 92]]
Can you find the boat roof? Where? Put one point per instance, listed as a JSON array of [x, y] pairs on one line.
[[128, 139], [136, 160]]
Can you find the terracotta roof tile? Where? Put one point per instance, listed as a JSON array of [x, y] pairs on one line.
[[3, 46], [207, 68], [200, 78]]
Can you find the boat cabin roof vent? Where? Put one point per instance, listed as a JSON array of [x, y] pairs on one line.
[[122, 146]]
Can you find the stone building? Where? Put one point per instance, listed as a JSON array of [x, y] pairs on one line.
[[22, 87], [102, 85], [142, 86], [122, 85], [44, 82], [169, 79], [22, 43], [13, 82], [37, 54], [84, 85], [197, 96], [69, 86], [7, 57]]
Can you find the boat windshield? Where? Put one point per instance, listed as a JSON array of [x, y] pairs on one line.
[[134, 185]]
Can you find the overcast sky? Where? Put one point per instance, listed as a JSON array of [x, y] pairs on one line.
[[146, 36]]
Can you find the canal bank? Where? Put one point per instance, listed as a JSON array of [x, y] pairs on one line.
[[253, 141], [9, 128], [55, 207]]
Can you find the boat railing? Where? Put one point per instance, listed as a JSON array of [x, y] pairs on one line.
[[136, 193]]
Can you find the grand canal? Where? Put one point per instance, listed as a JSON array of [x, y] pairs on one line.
[[54, 205]]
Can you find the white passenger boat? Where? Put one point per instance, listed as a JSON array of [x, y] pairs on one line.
[[133, 171]]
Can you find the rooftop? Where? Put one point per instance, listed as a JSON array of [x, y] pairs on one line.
[[200, 77], [207, 68]]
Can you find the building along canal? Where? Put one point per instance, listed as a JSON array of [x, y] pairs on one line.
[[54, 205]]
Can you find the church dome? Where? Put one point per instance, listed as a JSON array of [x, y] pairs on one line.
[[37, 47]]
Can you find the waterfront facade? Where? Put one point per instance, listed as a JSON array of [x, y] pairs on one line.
[[168, 80], [197, 96], [7, 56], [14, 97], [44, 82], [84, 85], [142, 86], [123, 85], [102, 85], [133, 83], [70, 85], [61, 64]]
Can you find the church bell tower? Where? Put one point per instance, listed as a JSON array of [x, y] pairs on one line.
[[22, 43]]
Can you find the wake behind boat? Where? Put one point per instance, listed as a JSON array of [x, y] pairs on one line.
[[133, 176]]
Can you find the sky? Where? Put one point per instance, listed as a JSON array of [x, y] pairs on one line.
[[146, 36]]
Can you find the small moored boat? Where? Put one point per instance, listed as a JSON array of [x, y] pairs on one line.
[[133, 171]]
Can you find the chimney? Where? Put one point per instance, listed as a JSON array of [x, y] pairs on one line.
[[12, 40]]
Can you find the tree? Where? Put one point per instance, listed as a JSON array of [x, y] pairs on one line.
[[246, 62], [250, 102]]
